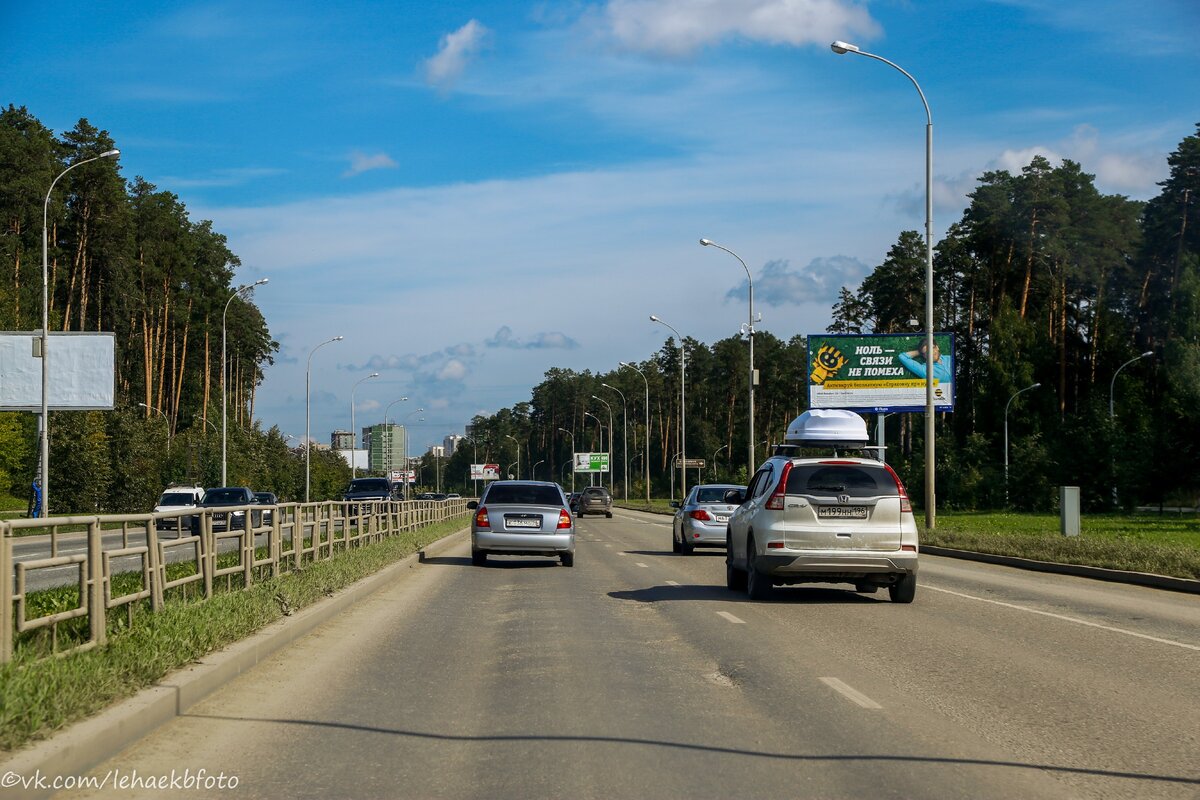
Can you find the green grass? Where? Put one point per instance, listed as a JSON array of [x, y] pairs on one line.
[[656, 506], [40, 695]]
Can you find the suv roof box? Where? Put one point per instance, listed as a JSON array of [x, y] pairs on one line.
[[833, 426]]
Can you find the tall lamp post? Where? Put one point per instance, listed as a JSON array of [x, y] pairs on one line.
[[682, 409], [533, 470], [610, 433], [406, 419], [714, 464], [241, 291], [1111, 416], [568, 433], [45, 420], [749, 331], [354, 430], [841, 48], [308, 415], [165, 419], [1006, 406], [624, 435], [646, 443], [518, 444]]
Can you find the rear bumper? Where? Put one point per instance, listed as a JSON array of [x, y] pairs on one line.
[[836, 566], [700, 535], [522, 543]]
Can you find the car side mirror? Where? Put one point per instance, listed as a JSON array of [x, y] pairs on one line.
[[675, 504], [734, 497], [472, 505]]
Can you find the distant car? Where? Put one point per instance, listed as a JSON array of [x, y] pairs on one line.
[[836, 519], [223, 497], [703, 517], [454, 496], [267, 499], [595, 500], [522, 518], [573, 502], [177, 498], [367, 490]]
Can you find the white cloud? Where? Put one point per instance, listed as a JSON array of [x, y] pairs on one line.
[[452, 370], [541, 341], [818, 283], [454, 52], [679, 27], [361, 162]]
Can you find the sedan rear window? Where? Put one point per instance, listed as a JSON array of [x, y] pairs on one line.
[[711, 495], [524, 496], [835, 479]]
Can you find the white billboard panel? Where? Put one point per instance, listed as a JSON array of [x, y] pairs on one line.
[[81, 372]]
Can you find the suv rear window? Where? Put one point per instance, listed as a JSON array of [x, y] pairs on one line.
[[831, 479], [229, 497], [596, 491], [177, 499], [524, 495], [370, 485]]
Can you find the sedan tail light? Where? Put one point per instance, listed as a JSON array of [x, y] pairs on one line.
[[700, 514], [481, 518], [564, 519], [775, 503], [905, 503]]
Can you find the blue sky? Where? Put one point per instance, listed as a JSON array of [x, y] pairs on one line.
[[475, 192]]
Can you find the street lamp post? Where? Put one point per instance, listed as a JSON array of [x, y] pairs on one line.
[[714, 464], [749, 331], [624, 435], [646, 443], [203, 419], [308, 415], [1111, 416], [419, 419], [682, 409], [240, 291], [1006, 406], [165, 419], [45, 420], [533, 470], [842, 48], [518, 444], [568, 433], [386, 452], [354, 430], [610, 433]]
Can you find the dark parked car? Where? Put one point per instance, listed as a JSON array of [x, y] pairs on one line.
[[595, 500], [573, 502], [267, 499], [224, 497], [369, 489]]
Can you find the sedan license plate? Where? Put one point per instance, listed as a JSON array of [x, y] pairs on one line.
[[842, 512], [721, 517], [522, 522]]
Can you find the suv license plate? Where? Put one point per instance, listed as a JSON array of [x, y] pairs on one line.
[[842, 512], [522, 523]]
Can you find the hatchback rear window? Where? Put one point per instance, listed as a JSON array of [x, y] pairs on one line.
[[524, 495], [834, 479]]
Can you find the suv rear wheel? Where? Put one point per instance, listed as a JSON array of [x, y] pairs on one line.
[[905, 589], [758, 586]]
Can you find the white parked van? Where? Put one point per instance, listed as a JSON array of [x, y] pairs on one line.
[[177, 498]]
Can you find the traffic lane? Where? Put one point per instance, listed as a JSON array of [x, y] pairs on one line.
[[524, 679], [1041, 685]]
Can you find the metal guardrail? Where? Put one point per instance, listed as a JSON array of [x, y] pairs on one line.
[[291, 534]]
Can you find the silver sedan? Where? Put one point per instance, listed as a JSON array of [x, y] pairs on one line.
[[701, 520], [527, 518]]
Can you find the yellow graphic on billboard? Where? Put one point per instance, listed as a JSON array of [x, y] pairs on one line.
[[826, 364]]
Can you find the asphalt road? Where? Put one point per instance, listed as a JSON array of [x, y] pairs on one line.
[[637, 674]]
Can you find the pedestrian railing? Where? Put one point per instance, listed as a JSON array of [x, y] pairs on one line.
[[132, 561]]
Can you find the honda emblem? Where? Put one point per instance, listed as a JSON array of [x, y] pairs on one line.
[[843, 499]]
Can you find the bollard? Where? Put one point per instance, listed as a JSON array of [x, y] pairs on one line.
[[1068, 504]]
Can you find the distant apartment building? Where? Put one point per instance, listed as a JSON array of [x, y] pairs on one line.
[[342, 440], [437, 451], [450, 443], [386, 445]]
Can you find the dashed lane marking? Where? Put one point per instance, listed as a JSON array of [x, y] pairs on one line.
[[731, 618], [672, 583], [850, 693], [640, 564]]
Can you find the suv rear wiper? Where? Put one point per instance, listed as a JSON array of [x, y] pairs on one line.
[[841, 488]]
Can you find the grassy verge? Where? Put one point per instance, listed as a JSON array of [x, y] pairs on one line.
[[41, 695], [655, 506]]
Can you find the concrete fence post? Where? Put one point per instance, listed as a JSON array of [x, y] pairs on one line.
[[95, 568], [1068, 504], [6, 598]]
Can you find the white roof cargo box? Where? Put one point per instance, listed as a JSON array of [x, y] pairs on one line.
[[827, 426]]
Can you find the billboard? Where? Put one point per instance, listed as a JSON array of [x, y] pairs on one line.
[[485, 472], [591, 462], [81, 372], [878, 372]]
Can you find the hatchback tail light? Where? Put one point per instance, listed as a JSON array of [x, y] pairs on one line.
[[564, 519], [905, 503], [775, 502], [700, 514], [481, 518]]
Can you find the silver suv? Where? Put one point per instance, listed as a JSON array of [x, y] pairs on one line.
[[829, 519]]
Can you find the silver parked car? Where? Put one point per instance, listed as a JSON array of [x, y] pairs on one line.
[[702, 518], [831, 519], [522, 518]]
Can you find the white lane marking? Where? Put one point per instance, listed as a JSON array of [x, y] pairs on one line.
[[850, 693], [622, 553], [1068, 619], [672, 583], [640, 564], [731, 618], [606, 544]]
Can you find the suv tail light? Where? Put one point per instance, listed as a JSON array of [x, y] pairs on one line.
[[775, 502], [564, 519], [481, 518], [905, 503], [700, 514]]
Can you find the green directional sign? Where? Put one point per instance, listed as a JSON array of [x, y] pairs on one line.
[[591, 462]]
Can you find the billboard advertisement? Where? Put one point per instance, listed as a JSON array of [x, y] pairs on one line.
[[591, 462], [879, 372], [81, 372], [485, 472]]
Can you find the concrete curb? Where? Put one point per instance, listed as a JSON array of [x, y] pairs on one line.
[[84, 744], [1099, 573]]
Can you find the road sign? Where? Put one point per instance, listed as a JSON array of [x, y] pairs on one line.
[[692, 463], [591, 462]]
